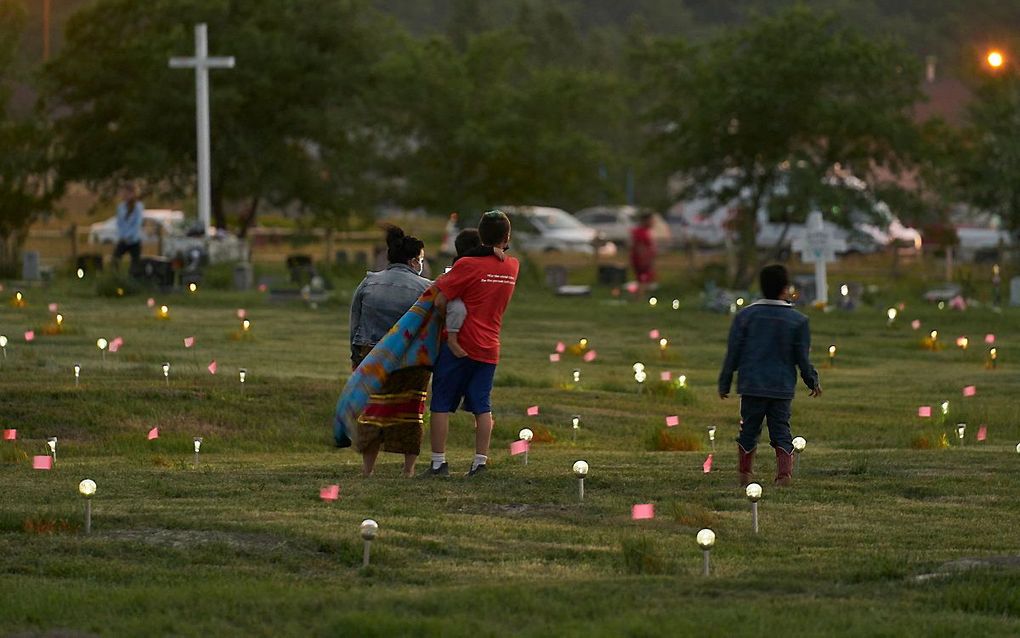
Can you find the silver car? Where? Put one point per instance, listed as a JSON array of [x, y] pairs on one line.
[[546, 229]]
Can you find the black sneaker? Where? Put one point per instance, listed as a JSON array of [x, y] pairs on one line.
[[477, 471], [442, 471]]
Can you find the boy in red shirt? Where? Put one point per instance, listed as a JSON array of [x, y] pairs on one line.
[[485, 285]]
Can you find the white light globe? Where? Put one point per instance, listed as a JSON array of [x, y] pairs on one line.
[[891, 313], [526, 434], [638, 367], [676, 304], [369, 529], [3, 341], [102, 343], [799, 443], [653, 301], [640, 376], [753, 492], [706, 539], [87, 487], [581, 469]]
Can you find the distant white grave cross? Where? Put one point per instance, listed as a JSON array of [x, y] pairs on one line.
[[818, 246], [202, 63]]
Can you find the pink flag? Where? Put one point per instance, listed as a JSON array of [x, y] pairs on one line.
[[982, 433], [330, 493], [707, 465], [53, 307], [969, 391], [151, 302], [241, 313], [924, 411], [915, 324], [116, 344], [666, 376], [153, 433], [654, 334], [672, 421], [263, 287], [212, 367], [632, 287], [189, 341], [44, 462], [518, 447], [30, 335], [10, 435], [590, 356], [554, 358], [533, 410], [990, 339], [560, 346], [642, 512]]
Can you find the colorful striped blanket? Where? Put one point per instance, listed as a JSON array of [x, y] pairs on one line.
[[412, 341]]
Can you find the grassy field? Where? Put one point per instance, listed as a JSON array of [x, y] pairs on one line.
[[242, 545]]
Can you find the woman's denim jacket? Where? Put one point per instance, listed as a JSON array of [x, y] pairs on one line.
[[380, 301]]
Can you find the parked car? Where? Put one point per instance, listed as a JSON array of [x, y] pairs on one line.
[[614, 223], [154, 222], [546, 229]]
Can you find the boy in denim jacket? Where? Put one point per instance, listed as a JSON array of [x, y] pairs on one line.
[[768, 341]]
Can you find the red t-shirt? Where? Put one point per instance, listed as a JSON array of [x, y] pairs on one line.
[[485, 285]]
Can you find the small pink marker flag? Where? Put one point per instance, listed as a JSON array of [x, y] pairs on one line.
[[590, 356], [924, 411], [982, 433], [10, 435], [672, 421], [969, 391], [990, 339], [915, 324], [330, 493], [44, 462], [560, 347], [212, 367], [518, 447], [642, 512], [666, 376], [150, 302], [533, 410], [241, 313], [189, 341], [116, 344], [654, 334], [707, 465], [554, 358], [30, 335], [153, 434], [53, 307], [632, 287]]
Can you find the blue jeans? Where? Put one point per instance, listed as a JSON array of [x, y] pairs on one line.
[[754, 411]]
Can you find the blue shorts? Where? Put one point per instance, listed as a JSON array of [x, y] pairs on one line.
[[456, 379]]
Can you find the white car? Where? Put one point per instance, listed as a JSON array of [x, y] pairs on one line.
[[546, 229], [154, 221], [614, 223]]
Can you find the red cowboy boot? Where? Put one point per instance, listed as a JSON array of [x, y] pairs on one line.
[[784, 467], [746, 461]]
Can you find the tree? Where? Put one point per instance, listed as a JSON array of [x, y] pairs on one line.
[[766, 116], [25, 188], [288, 122]]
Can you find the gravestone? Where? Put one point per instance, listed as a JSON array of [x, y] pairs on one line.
[[1014, 291], [817, 246], [30, 270], [301, 268], [610, 275], [243, 276]]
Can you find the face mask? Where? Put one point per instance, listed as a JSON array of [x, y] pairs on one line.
[[421, 266]]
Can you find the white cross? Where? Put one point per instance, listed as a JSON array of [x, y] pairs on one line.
[[202, 63], [818, 246]]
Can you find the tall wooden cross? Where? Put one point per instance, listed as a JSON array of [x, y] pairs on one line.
[[818, 246], [202, 63]]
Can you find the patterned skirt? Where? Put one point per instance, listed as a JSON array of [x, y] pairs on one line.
[[394, 417]]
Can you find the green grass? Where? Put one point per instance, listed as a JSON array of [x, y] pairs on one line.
[[241, 544]]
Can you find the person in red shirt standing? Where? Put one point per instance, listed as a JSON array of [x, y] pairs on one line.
[[485, 285], [642, 251]]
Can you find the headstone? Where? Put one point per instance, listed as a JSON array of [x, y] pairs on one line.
[[610, 275], [1014, 291], [817, 246], [30, 265], [243, 276], [301, 268], [154, 271]]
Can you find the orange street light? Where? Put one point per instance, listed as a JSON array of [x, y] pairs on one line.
[[995, 59]]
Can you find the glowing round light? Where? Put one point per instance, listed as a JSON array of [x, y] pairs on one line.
[[832, 350], [242, 373], [844, 290], [577, 375], [711, 433], [740, 302], [87, 488], [246, 325], [962, 342], [3, 341], [1018, 448], [676, 304], [77, 370], [193, 287], [992, 352], [653, 301], [638, 367], [640, 376], [575, 421], [166, 369], [891, 313], [19, 297], [682, 380], [198, 444], [706, 539], [799, 444], [663, 343], [945, 407], [934, 334], [580, 469], [526, 434], [164, 311], [960, 429], [81, 273], [995, 59], [583, 343], [753, 492], [942, 305], [369, 529], [102, 343], [60, 319]]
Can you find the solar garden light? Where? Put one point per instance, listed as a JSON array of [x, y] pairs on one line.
[[526, 435], [706, 540], [575, 423], [164, 312], [583, 343], [945, 408], [166, 372], [639, 374], [993, 354], [77, 373], [663, 344], [652, 302], [198, 447], [1018, 448], [580, 471], [577, 376], [891, 313], [87, 488], [3, 344], [962, 343], [242, 374], [102, 344], [81, 273], [711, 436], [245, 325], [798, 446], [753, 492], [369, 530], [961, 428], [682, 381], [60, 320], [832, 355], [676, 304], [934, 337], [51, 443]]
